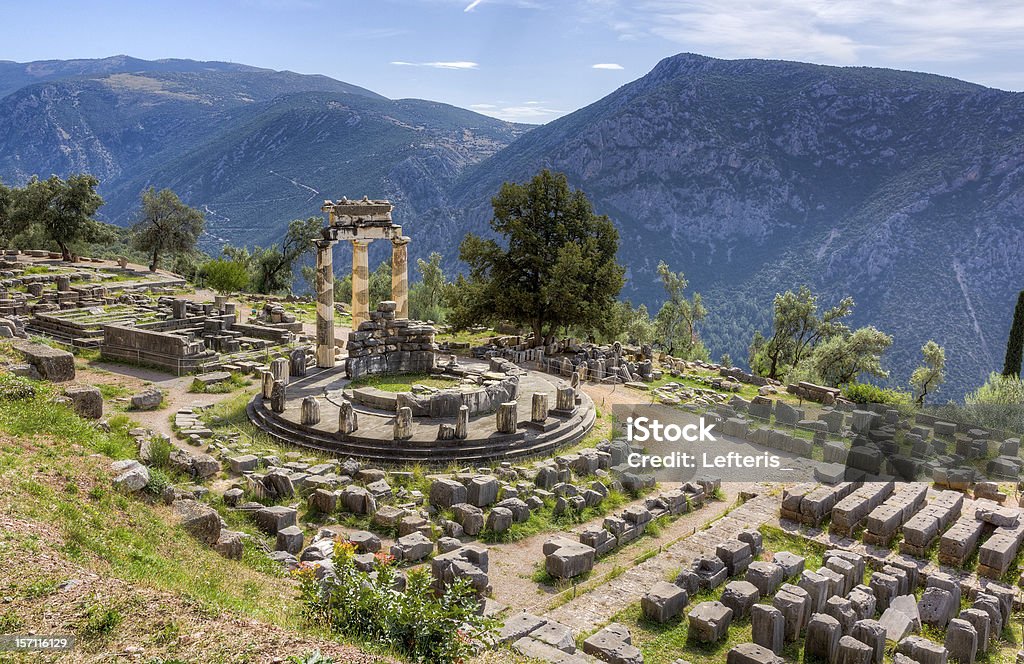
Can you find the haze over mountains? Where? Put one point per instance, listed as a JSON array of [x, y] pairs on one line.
[[904, 190]]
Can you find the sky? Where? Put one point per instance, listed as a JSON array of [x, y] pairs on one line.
[[524, 60]]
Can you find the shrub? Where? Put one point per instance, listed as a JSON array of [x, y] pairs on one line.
[[416, 623], [868, 393], [158, 481]]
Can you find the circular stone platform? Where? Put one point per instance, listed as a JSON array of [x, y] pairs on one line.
[[374, 439]]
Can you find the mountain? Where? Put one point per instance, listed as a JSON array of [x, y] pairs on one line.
[[904, 190], [253, 147]]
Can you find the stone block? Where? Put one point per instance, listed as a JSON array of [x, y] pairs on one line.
[[767, 577], [961, 641], [272, 520], [751, 653], [872, 633], [664, 602], [709, 622], [570, 561], [791, 564], [740, 596], [290, 539], [794, 608], [768, 627], [822, 641], [936, 606], [445, 493], [470, 517], [412, 548], [613, 644], [852, 651]]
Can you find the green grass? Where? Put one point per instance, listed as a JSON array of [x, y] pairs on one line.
[[111, 391], [47, 449], [402, 382]]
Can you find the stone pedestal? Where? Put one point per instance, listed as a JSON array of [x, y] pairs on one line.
[[324, 304], [360, 282], [539, 410], [347, 420], [279, 369], [462, 423], [310, 413], [400, 276], [403, 423], [178, 308], [507, 417]]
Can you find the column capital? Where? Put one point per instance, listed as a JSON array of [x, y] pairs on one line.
[[401, 240], [361, 241]]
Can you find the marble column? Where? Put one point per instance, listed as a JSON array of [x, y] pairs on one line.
[[324, 304], [360, 283], [400, 276]]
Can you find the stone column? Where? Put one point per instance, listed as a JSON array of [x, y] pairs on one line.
[[400, 275], [506, 418], [539, 411], [324, 304], [462, 423], [566, 399], [360, 283], [310, 411], [268, 384], [403, 423], [347, 419], [278, 395], [279, 369]]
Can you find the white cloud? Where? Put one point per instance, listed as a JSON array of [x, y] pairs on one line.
[[456, 64], [527, 111], [607, 65], [473, 5], [829, 31]]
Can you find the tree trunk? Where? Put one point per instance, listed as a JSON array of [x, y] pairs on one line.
[[155, 265], [65, 253], [538, 337]]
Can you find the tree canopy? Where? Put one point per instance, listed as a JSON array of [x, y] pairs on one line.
[[555, 265], [797, 328], [676, 322], [225, 275], [62, 208], [165, 225], [427, 295], [1015, 342], [927, 377], [272, 267]]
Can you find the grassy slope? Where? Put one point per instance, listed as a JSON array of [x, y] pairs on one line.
[[57, 505]]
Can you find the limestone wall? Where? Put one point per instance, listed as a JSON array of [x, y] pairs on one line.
[[388, 345]]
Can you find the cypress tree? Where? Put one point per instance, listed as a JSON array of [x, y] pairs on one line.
[[1015, 344]]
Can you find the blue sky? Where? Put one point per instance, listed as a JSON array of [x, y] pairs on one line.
[[525, 60]]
